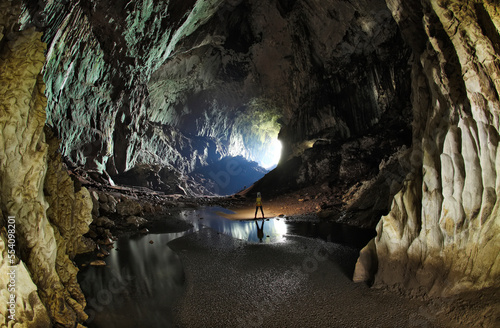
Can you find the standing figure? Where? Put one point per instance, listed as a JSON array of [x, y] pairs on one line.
[[258, 203]]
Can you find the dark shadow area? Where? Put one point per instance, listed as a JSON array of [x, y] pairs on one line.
[[152, 177], [350, 239], [333, 232], [487, 26]]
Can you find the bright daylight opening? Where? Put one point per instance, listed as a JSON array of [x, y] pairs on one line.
[[273, 154]]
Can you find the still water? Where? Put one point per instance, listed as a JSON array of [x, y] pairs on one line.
[[258, 231], [137, 287], [144, 278]]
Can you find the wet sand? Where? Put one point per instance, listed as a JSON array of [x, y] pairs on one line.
[[301, 282], [248, 213]]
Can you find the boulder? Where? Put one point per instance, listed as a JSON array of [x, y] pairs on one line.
[[104, 221], [128, 207], [136, 221], [107, 203]]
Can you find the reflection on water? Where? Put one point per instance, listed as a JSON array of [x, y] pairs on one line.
[[142, 280], [138, 286], [144, 277], [270, 231], [276, 229]]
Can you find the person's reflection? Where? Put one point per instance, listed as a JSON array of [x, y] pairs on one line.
[[260, 231]]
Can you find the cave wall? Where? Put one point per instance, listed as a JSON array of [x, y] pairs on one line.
[[99, 59], [50, 215], [442, 234], [135, 86]]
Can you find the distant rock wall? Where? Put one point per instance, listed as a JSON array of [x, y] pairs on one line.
[[321, 69], [50, 217], [443, 232], [132, 83]]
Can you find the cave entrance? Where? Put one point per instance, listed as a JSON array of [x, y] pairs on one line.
[[272, 155], [244, 150]]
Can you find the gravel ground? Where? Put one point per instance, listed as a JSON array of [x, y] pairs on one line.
[[298, 283]]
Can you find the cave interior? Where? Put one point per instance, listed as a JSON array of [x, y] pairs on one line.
[[381, 115]]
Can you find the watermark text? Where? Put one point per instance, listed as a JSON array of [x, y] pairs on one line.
[[11, 258]]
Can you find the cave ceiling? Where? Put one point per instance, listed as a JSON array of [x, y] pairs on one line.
[[182, 83]]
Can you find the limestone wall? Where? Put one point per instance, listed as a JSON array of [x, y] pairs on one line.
[[100, 57], [45, 232], [443, 232], [131, 83]]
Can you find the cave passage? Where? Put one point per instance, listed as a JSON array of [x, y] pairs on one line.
[[381, 115]]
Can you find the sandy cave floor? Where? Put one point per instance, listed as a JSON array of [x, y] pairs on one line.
[[304, 203], [299, 283], [232, 283]]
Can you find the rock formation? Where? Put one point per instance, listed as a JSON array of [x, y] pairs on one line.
[[99, 59], [183, 86], [442, 233], [49, 216]]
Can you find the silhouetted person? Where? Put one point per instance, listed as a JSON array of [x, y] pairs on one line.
[[260, 231], [258, 203]]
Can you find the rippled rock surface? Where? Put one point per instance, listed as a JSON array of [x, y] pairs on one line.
[[50, 215], [442, 234]]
